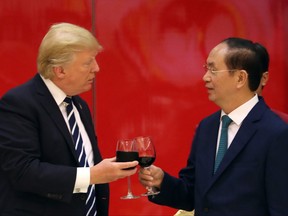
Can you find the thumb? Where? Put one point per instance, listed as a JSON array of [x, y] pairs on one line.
[[113, 159]]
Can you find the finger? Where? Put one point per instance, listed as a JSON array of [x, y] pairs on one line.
[[113, 159], [146, 183], [128, 172], [110, 159], [145, 177], [145, 171], [128, 165]]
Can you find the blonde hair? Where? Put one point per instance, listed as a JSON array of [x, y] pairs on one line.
[[59, 45]]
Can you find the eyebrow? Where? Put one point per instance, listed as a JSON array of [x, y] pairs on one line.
[[210, 64]]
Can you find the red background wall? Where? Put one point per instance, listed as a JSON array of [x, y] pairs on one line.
[[150, 79]]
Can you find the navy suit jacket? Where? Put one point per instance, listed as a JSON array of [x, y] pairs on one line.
[[252, 179], [38, 160]]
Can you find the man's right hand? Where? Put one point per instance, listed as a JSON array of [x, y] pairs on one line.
[[108, 170]]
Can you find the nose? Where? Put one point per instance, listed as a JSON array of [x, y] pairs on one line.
[[206, 77], [95, 67]]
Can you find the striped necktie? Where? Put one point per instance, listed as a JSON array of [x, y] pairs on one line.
[[223, 143], [80, 152]]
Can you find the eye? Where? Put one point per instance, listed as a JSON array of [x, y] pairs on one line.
[[88, 63]]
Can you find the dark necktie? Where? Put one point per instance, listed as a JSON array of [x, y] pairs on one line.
[[223, 143], [91, 199]]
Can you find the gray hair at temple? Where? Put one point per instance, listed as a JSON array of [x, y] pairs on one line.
[[60, 44]]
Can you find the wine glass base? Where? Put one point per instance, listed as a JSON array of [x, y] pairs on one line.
[[129, 196], [150, 193]]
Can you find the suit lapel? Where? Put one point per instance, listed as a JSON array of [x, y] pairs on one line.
[[212, 144], [48, 103], [204, 150], [244, 134], [240, 141], [87, 122]]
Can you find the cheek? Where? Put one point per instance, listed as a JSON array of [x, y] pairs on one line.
[[220, 87], [86, 72], [82, 73], [228, 87]]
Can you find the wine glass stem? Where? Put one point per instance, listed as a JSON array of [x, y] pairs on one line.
[[129, 185]]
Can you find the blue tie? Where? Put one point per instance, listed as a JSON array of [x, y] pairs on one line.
[[223, 143], [91, 199]]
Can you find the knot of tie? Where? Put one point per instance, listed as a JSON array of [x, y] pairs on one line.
[[67, 100], [226, 121]]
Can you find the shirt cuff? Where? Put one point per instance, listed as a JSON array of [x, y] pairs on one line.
[[82, 180]]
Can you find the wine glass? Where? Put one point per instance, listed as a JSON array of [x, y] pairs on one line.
[[126, 150], [147, 155]]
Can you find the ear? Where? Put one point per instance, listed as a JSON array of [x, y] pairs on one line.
[[242, 78], [58, 72], [265, 78]]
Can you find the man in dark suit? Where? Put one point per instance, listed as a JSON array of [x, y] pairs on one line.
[[251, 179], [40, 172]]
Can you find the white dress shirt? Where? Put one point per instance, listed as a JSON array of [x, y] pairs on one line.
[[237, 116], [83, 173]]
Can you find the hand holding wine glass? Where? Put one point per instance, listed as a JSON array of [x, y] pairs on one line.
[[126, 150], [147, 156]]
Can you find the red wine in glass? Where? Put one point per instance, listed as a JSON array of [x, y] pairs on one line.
[[124, 156], [147, 156], [146, 161], [126, 151]]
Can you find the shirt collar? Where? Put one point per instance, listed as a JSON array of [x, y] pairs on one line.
[[240, 113], [56, 92]]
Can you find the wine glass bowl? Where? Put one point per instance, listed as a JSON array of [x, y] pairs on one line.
[[146, 151], [146, 157], [146, 161], [126, 151]]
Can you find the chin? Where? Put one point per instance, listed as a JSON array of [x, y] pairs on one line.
[[211, 98], [88, 87]]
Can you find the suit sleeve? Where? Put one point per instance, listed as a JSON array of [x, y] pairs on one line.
[[21, 152], [277, 176], [179, 192]]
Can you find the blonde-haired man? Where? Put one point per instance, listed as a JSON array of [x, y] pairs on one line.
[[50, 161]]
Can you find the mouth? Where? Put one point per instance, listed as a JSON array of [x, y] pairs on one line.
[[208, 88], [91, 80]]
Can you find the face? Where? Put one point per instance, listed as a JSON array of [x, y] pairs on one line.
[[220, 83], [78, 75]]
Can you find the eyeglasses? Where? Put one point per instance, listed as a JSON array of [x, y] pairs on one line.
[[214, 72]]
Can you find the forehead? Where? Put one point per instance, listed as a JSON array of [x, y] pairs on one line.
[[217, 54]]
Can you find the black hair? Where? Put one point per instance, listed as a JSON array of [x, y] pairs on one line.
[[264, 56], [246, 55]]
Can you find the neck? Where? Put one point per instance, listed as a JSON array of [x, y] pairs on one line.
[[235, 103]]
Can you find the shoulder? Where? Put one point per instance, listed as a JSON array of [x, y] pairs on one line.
[[23, 90], [214, 117], [26, 97], [16, 95], [282, 115]]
